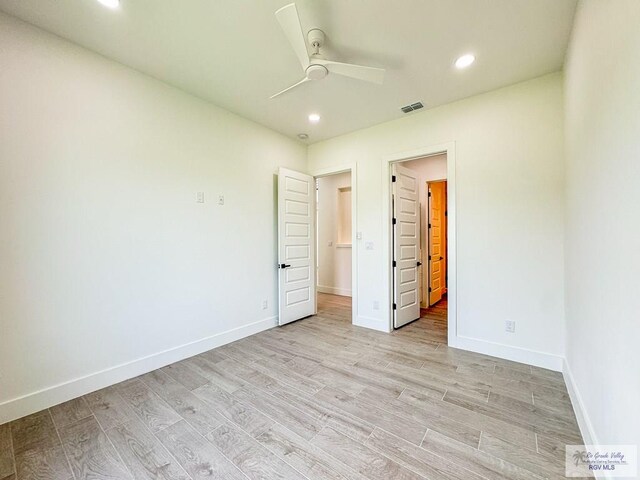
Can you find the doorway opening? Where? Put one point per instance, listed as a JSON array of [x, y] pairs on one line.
[[419, 243], [334, 245]]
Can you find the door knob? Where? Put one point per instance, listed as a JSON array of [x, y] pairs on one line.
[[283, 265], [419, 263]]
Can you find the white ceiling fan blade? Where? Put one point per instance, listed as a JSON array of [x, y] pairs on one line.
[[368, 74], [290, 23], [304, 80]]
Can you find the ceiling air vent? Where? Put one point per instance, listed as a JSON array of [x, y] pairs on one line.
[[412, 107]]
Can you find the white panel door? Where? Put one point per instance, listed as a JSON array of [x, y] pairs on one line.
[[296, 241], [406, 246]]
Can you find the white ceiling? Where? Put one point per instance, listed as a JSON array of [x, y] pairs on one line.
[[233, 53]]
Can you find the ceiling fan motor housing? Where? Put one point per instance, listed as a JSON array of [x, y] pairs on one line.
[[316, 37]]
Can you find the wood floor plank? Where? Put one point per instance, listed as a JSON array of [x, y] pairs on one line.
[[215, 373], [287, 376], [550, 381], [43, 464], [246, 417], [459, 431], [213, 356], [35, 431], [70, 412], [143, 454], [326, 414], [90, 453], [196, 455], [534, 411], [38, 453], [109, 408], [308, 459], [481, 463], [280, 411], [527, 459], [364, 460], [404, 428], [251, 458], [7, 465], [196, 412], [184, 374], [417, 459], [150, 408], [537, 423], [515, 434]]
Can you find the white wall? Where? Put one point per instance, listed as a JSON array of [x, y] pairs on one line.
[[603, 219], [509, 181], [334, 261], [105, 256], [428, 169]]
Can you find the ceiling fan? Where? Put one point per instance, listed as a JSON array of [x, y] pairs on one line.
[[316, 67]]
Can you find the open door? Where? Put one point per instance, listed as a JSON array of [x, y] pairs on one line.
[[437, 241], [406, 246], [296, 253]]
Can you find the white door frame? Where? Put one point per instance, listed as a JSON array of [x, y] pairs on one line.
[[387, 238], [325, 172]]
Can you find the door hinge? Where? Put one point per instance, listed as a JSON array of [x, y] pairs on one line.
[[429, 225], [446, 213], [393, 178], [429, 193], [394, 221], [429, 289], [394, 263], [394, 306], [429, 257]]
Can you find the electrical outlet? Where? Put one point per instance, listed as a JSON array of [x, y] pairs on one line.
[[376, 305], [200, 197], [220, 199], [265, 304], [510, 326]]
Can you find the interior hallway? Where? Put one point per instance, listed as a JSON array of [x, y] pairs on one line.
[[316, 399]]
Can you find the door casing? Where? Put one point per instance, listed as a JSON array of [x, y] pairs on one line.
[[325, 172], [387, 245]]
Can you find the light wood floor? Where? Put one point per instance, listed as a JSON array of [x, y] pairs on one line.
[[317, 399]]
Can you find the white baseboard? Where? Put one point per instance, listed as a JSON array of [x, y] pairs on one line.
[[508, 352], [587, 431], [50, 396], [372, 323], [344, 292], [586, 427]]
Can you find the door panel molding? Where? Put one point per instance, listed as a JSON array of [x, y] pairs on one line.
[[296, 246], [406, 246]]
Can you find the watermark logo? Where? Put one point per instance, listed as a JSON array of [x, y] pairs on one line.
[[611, 460]]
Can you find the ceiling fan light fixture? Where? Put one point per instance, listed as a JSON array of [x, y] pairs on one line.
[[465, 61], [314, 118]]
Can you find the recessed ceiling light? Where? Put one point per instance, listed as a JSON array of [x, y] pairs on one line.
[[110, 3], [465, 60], [303, 136], [314, 118]]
